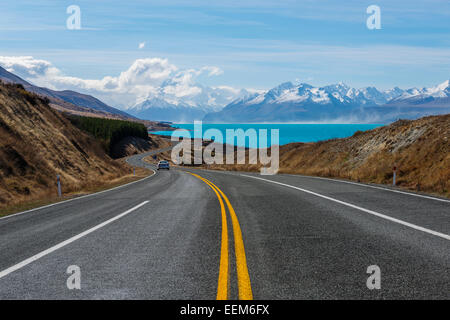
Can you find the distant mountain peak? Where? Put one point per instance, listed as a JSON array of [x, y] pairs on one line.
[[340, 84], [444, 85], [167, 105]]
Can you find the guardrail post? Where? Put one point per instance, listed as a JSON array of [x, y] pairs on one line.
[[58, 182], [394, 176]]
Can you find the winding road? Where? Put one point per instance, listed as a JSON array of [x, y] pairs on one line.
[[198, 234]]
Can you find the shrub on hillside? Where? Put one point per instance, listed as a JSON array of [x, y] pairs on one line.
[[17, 90]]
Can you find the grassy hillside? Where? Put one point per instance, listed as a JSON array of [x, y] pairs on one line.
[[37, 143], [108, 131], [420, 149]]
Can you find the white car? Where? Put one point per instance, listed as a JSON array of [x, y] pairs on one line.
[[163, 164]]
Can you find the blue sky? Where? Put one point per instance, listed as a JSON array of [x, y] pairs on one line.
[[257, 44]]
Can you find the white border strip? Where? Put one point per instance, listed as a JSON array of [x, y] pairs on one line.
[[413, 226], [76, 198], [344, 181], [374, 187], [66, 242]]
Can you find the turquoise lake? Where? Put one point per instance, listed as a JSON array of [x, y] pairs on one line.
[[287, 132]]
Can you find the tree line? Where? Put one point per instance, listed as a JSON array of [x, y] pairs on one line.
[[109, 131]]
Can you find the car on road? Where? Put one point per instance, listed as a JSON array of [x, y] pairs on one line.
[[163, 164]]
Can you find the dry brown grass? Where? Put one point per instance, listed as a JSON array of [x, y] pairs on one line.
[[419, 149], [37, 143]]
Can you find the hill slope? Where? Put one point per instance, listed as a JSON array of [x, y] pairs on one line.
[[37, 143], [420, 149], [67, 100]]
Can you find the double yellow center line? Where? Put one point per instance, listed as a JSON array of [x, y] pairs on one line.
[[244, 286]]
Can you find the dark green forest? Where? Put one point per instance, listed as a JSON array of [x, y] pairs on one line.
[[109, 131]]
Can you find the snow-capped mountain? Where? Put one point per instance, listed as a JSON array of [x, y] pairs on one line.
[[172, 103], [332, 94], [290, 102], [304, 102], [440, 91]]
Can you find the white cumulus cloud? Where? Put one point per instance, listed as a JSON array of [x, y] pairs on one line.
[[212, 71], [27, 66], [143, 79]]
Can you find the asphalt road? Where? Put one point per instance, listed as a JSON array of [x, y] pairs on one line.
[[285, 237]]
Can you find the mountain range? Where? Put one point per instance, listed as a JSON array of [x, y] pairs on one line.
[[165, 105], [290, 102], [287, 102]]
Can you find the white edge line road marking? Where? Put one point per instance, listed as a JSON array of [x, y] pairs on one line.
[[413, 226], [349, 182], [375, 187], [66, 242], [76, 198]]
